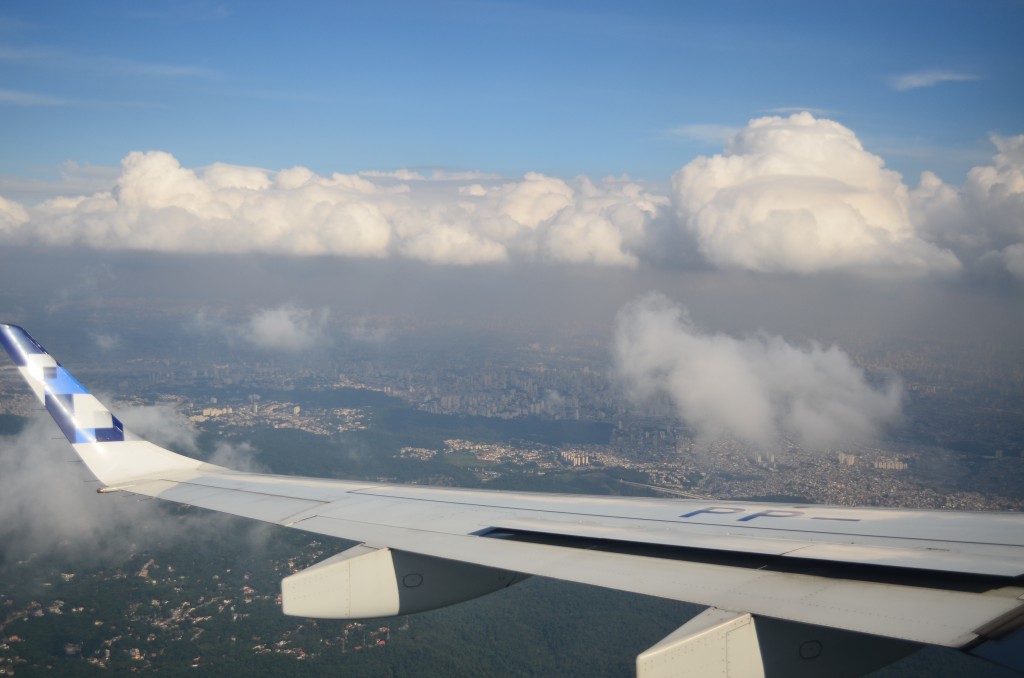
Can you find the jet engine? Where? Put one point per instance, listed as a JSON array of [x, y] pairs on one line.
[[365, 582]]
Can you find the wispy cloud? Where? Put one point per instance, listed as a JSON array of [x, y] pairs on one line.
[[929, 78], [25, 54], [710, 133], [933, 154], [64, 60], [181, 12], [157, 70], [789, 110], [16, 98], [10, 24]]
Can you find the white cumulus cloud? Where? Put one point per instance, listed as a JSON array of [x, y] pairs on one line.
[[759, 389], [800, 194], [443, 218], [12, 216], [604, 225], [983, 220], [793, 194], [287, 328], [1013, 259]]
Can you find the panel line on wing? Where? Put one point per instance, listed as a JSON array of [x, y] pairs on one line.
[[375, 492]]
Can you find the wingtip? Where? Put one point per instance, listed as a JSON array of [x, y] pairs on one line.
[[19, 344], [11, 327]]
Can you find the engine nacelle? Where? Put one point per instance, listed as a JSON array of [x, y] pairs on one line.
[[740, 645], [367, 582]]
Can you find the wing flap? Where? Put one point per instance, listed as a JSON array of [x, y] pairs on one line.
[[924, 558], [909, 613], [995, 561]]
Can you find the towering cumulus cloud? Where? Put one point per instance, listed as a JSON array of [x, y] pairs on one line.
[[759, 390], [800, 194], [983, 221]]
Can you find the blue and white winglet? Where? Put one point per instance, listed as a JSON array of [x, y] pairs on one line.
[[112, 454], [791, 590]]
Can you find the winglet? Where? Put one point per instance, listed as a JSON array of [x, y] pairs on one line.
[[112, 454], [81, 417]]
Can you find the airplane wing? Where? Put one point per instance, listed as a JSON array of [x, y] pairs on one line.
[[791, 590]]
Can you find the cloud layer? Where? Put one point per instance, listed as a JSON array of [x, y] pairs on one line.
[[159, 205], [788, 194], [759, 390]]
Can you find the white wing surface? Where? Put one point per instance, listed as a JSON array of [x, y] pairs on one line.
[[791, 589]]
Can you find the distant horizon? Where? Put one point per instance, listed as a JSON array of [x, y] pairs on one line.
[[564, 88]]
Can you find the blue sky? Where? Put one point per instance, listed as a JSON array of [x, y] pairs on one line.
[[564, 88]]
